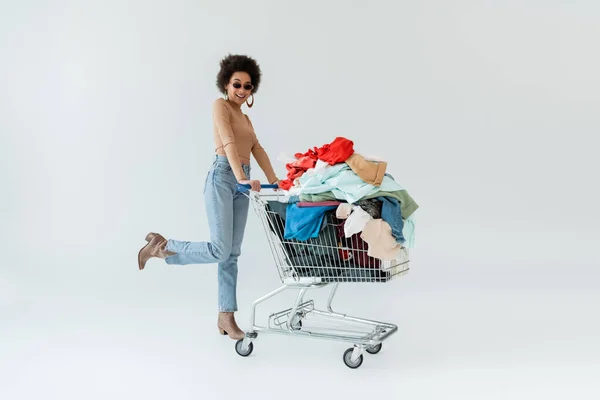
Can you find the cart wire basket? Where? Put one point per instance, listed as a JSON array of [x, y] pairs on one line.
[[320, 262]]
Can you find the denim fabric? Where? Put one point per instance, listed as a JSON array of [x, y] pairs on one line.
[[390, 213], [407, 204], [227, 212]]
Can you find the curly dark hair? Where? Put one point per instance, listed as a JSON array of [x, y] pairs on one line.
[[238, 63]]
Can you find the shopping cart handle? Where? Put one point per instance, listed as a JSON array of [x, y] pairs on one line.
[[245, 187]]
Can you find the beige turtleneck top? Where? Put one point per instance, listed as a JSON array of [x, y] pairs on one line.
[[235, 138]]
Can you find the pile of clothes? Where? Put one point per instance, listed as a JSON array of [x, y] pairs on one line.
[[339, 199]]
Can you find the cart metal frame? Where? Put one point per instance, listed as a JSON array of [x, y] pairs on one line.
[[365, 335]]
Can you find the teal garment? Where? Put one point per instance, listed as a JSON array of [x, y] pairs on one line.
[[408, 231], [407, 204], [344, 183]]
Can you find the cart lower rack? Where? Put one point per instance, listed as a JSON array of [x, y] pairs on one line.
[[320, 262]]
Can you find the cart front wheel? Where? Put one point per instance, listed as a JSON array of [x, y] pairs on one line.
[[241, 351], [297, 322], [348, 359], [374, 349]]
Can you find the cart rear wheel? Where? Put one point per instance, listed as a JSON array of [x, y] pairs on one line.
[[348, 359], [374, 349], [241, 351], [297, 322]]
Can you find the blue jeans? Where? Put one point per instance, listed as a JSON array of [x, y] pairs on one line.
[[227, 212], [390, 213]]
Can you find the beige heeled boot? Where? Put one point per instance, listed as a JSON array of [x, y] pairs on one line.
[[228, 326], [155, 248]]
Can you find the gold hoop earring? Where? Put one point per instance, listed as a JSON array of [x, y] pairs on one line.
[[250, 104]]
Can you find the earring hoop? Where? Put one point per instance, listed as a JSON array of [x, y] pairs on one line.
[[250, 104]]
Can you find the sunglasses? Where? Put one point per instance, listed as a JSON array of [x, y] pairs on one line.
[[238, 85]]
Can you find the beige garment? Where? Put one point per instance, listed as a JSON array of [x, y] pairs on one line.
[[382, 244], [232, 126], [371, 172], [343, 211]]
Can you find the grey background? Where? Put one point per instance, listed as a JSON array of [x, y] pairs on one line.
[[485, 110]]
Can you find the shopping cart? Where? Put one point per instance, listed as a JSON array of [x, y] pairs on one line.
[[324, 261]]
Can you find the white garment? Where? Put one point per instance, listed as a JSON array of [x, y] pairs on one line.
[[356, 221], [343, 211], [295, 190], [318, 169]]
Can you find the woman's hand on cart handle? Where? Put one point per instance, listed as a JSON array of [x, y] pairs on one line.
[[272, 185], [254, 185], [251, 184]]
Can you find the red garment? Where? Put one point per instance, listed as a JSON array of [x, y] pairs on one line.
[[359, 249], [337, 151], [300, 166], [286, 184], [304, 162], [310, 153], [356, 246]]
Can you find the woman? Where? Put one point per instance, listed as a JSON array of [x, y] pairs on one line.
[[226, 208]]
